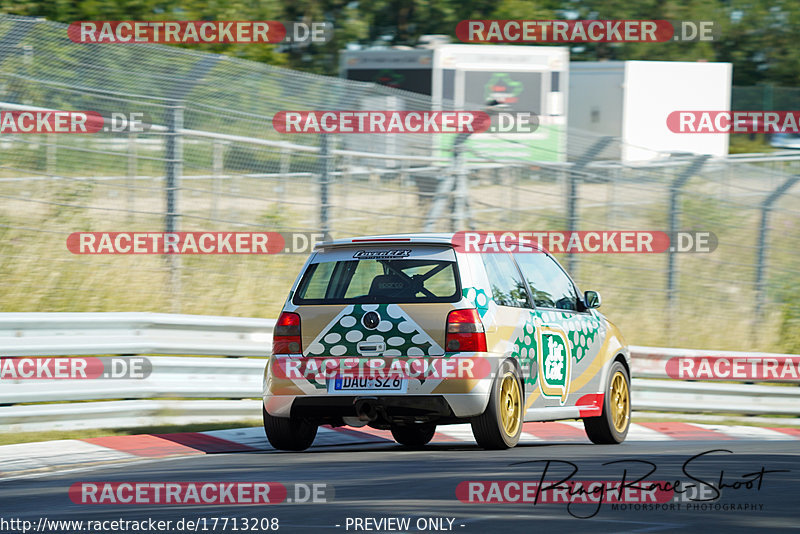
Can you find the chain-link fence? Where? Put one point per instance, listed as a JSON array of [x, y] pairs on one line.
[[766, 97], [212, 161]]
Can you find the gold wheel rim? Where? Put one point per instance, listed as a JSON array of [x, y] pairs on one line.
[[510, 405], [620, 402]]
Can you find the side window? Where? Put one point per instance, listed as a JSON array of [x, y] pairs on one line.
[[507, 286], [550, 287]]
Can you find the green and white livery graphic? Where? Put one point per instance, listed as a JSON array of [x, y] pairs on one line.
[[582, 332], [401, 335], [525, 349], [487, 308], [555, 366]]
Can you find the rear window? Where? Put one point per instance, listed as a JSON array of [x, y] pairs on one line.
[[358, 277]]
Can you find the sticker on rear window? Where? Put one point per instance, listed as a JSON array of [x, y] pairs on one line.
[[381, 254]]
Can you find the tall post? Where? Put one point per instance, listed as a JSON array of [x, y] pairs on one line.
[[674, 222], [514, 194], [50, 155], [575, 174], [458, 218], [217, 166], [572, 216], [174, 167], [761, 249], [285, 166], [324, 182], [132, 171]]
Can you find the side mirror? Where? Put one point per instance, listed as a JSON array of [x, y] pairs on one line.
[[591, 299]]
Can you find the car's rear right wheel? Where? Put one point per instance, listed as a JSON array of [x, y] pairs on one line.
[[288, 433], [611, 426]]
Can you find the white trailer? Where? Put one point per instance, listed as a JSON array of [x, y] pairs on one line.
[[632, 99]]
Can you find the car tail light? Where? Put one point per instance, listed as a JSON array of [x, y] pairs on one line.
[[465, 332], [286, 336]]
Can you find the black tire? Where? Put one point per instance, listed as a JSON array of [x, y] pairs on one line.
[[413, 436], [488, 428], [288, 434], [602, 429]]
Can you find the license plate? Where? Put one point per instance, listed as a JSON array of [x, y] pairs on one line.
[[362, 385]]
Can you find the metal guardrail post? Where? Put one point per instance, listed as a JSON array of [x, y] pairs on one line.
[[766, 210], [674, 220]]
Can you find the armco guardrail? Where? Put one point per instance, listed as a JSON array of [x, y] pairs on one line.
[[654, 390], [230, 386], [72, 334], [96, 334]]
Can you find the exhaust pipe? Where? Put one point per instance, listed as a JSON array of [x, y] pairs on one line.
[[367, 409]]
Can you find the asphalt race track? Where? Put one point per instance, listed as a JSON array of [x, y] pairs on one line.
[[383, 480]]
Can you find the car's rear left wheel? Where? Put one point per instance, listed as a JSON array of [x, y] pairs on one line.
[[500, 425], [288, 433]]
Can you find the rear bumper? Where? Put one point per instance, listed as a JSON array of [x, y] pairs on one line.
[[450, 406], [445, 397]]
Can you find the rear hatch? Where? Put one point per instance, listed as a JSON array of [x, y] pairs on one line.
[[368, 300]]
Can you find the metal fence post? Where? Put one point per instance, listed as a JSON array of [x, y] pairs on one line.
[[217, 167], [460, 197], [514, 215], [132, 171], [573, 176], [440, 197], [324, 182], [174, 168], [761, 246], [674, 220], [284, 168], [50, 155]]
